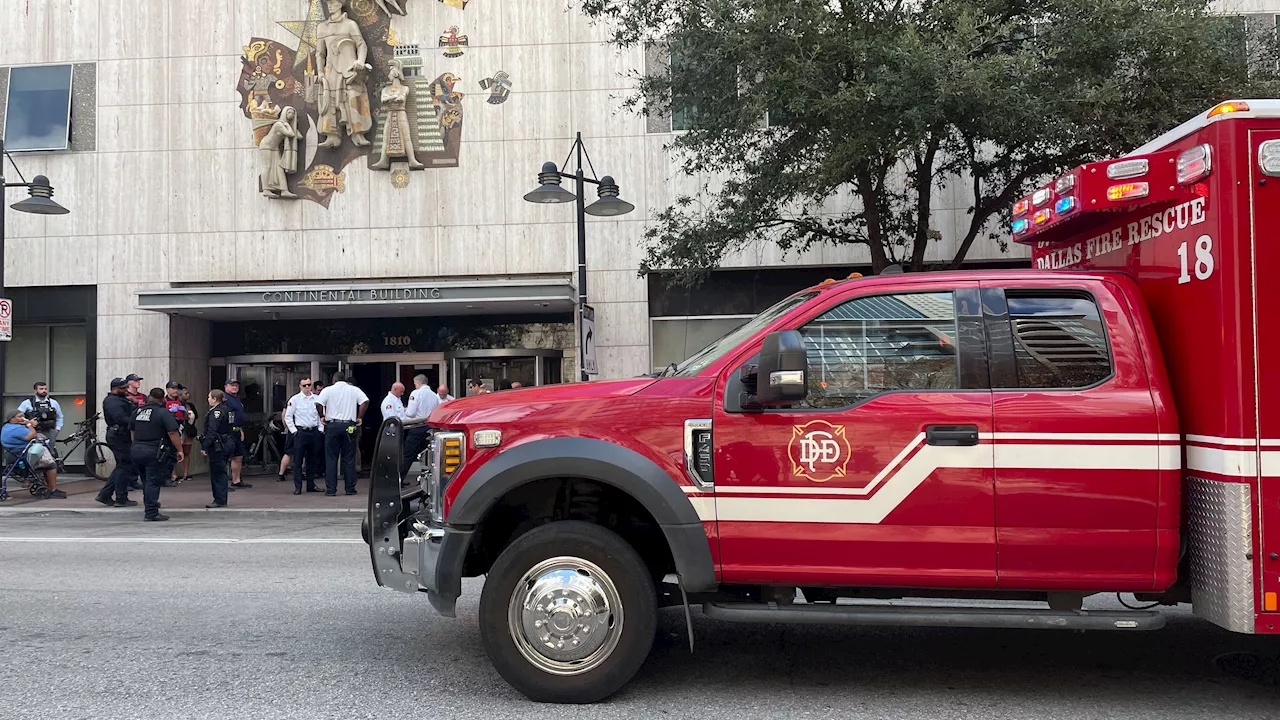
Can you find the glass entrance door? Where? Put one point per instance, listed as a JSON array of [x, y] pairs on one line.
[[265, 388]]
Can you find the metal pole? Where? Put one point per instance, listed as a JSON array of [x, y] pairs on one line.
[[4, 206], [582, 259]]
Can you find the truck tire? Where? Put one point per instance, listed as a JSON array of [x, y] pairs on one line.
[[568, 613]]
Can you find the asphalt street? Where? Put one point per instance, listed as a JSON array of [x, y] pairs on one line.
[[244, 618]]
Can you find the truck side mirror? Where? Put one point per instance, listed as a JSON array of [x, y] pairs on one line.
[[782, 377]]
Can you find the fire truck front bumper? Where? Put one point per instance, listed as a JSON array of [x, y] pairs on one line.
[[410, 552], [426, 558]]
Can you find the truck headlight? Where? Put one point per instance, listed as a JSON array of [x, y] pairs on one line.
[[447, 455]]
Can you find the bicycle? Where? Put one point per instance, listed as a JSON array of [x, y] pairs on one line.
[[97, 455], [264, 456]]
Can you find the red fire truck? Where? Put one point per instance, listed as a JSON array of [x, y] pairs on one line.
[[980, 449]]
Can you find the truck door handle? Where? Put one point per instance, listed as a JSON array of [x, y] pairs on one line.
[[951, 435]]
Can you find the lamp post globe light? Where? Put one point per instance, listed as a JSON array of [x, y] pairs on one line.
[[608, 204], [39, 202]]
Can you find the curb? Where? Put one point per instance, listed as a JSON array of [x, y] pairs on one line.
[[238, 513]]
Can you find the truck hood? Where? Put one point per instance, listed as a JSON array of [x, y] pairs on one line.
[[510, 405]]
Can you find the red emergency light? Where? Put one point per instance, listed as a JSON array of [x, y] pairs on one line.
[[1090, 194]]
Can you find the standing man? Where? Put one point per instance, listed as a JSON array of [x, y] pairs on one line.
[[135, 390], [235, 412], [174, 404], [303, 421], [442, 392], [45, 411], [117, 412], [342, 406], [156, 446], [216, 445], [391, 404], [421, 402]]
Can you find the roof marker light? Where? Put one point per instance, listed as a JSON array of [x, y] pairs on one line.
[[1065, 205], [1021, 226], [1126, 169], [1065, 184], [1231, 106], [1194, 164], [1040, 197], [1128, 191], [1021, 207], [1042, 217]]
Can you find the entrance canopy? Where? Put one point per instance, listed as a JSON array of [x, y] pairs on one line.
[[522, 296]]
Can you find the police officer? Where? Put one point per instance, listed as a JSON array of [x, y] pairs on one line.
[[45, 411], [156, 445], [117, 411], [216, 444], [235, 411], [422, 402]]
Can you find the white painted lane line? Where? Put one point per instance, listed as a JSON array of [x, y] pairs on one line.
[[188, 541]]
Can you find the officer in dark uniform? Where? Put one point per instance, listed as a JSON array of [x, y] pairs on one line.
[[235, 409], [156, 443], [117, 411], [216, 444]]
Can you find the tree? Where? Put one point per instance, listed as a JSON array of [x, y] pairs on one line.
[[876, 105]]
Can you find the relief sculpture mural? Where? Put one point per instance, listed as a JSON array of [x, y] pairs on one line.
[[351, 89], [344, 94]]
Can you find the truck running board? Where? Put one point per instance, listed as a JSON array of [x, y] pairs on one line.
[[966, 617]]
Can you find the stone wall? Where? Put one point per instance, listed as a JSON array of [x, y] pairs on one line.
[[170, 193]]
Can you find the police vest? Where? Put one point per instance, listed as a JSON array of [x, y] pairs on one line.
[[148, 424], [45, 416]]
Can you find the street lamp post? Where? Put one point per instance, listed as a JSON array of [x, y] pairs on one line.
[[607, 205], [40, 202]]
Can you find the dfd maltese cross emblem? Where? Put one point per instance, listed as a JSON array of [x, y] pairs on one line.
[[819, 451]]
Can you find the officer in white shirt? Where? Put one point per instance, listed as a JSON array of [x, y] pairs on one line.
[[342, 408], [443, 394], [391, 405], [421, 402], [303, 421]]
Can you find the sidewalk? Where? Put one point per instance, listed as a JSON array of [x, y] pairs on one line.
[[266, 495]]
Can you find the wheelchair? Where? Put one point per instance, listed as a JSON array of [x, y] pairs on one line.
[[16, 467]]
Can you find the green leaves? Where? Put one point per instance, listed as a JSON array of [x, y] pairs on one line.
[[882, 104]]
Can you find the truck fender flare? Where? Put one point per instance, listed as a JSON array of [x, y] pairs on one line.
[[605, 462]]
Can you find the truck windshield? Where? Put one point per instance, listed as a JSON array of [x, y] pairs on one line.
[[707, 355]]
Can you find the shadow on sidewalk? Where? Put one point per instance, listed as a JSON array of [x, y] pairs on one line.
[[267, 493]]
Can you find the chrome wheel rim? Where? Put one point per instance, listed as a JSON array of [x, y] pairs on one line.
[[565, 616]]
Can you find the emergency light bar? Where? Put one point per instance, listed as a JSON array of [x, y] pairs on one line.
[[1087, 195]]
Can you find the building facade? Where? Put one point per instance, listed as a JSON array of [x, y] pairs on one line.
[[261, 187]]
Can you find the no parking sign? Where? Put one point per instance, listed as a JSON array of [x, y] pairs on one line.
[[6, 319]]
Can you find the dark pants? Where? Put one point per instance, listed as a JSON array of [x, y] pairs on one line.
[[153, 473], [219, 477], [308, 444], [339, 445], [414, 442], [121, 477]]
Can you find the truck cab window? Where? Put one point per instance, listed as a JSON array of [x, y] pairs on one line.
[[883, 343], [1058, 341]]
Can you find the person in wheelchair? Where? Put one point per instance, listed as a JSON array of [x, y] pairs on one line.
[[17, 434]]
